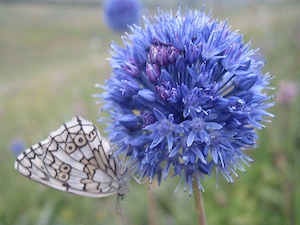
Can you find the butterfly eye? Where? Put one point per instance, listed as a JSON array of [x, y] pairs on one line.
[[91, 136], [70, 147], [65, 168], [80, 140], [63, 176]]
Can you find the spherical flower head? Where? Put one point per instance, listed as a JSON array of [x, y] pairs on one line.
[[121, 13], [185, 96]]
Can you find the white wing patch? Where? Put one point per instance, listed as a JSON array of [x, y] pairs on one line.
[[76, 159]]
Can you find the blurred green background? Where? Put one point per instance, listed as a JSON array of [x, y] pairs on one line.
[[51, 56]]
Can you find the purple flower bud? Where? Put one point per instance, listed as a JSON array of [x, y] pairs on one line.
[[173, 54], [159, 55], [162, 92], [131, 68], [152, 72], [148, 118]]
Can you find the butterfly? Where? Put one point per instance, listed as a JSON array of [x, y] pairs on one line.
[[75, 159]]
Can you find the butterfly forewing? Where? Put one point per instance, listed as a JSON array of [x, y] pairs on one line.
[[74, 158]]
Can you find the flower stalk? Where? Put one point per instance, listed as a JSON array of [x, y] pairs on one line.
[[152, 213], [199, 205]]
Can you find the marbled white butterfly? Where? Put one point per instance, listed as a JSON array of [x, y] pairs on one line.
[[76, 159]]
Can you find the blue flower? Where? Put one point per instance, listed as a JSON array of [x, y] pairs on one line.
[[163, 128], [17, 146], [186, 95], [121, 13]]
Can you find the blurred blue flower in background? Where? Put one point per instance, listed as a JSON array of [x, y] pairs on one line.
[[17, 146], [121, 13], [185, 96]]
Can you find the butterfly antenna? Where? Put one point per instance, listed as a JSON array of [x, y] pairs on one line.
[[138, 180], [119, 210], [124, 160], [123, 167]]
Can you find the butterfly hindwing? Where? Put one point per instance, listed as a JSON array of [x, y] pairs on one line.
[[74, 158]]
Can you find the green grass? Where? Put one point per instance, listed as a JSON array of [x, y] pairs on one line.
[[51, 56]]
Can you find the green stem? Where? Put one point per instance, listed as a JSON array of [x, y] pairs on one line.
[[199, 204], [152, 208]]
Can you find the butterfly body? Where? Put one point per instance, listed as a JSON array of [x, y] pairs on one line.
[[76, 159]]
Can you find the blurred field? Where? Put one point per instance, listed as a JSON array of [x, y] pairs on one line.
[[51, 56]]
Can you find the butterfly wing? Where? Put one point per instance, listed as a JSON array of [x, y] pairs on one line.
[[74, 158]]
